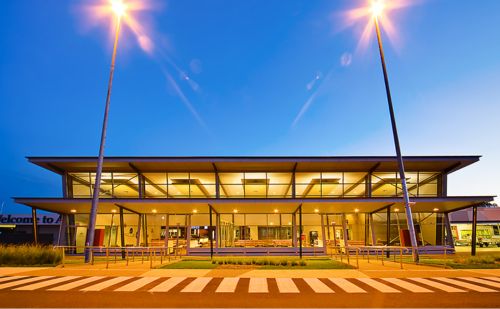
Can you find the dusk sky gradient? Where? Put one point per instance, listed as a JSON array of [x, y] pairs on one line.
[[250, 77]]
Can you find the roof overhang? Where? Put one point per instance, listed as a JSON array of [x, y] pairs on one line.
[[446, 164], [185, 206]]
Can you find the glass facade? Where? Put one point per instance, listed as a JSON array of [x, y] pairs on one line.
[[254, 185]]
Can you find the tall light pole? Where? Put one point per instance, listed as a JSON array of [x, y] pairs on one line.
[[118, 8], [377, 8]]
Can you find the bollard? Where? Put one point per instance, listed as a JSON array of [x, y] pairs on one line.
[[347, 252], [63, 256], [126, 255], [115, 254], [382, 255], [91, 256], [445, 257], [142, 252], [161, 256], [368, 256]]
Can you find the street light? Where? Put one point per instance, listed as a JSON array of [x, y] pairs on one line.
[[377, 9], [119, 9]]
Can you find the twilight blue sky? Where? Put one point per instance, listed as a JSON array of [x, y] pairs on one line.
[[248, 77]]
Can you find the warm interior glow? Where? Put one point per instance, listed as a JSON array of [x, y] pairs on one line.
[[235, 210], [356, 210], [276, 210], [436, 209], [113, 210], [195, 210], [377, 8], [316, 210], [154, 211], [73, 210], [118, 7], [396, 209]]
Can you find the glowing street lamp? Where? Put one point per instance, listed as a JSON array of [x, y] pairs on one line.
[[377, 9], [119, 9]]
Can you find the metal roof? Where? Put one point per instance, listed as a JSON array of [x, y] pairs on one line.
[[445, 164]]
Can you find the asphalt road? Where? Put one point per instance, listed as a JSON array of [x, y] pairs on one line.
[[291, 293]]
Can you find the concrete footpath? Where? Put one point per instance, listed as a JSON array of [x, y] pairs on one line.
[[366, 270]]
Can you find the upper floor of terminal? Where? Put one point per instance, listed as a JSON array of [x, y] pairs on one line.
[[254, 177]]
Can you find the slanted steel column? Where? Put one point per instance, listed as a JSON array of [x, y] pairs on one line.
[[344, 228], [372, 228], [449, 235], [122, 233], [145, 227], [294, 230], [35, 225], [474, 228], [138, 233], [62, 228]]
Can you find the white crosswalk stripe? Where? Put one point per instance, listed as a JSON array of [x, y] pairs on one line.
[[75, 284], [228, 285], [497, 279], [347, 285], [136, 284], [437, 285], [482, 281], [168, 284], [23, 281], [105, 284], [11, 278], [45, 283], [317, 285], [407, 285], [378, 285], [466, 285], [258, 285], [286, 285], [197, 285]]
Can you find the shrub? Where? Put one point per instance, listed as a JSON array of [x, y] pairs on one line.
[[29, 255], [240, 262], [302, 263], [248, 262], [284, 263], [294, 263], [221, 262], [214, 261]]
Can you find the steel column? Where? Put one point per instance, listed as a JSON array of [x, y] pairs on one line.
[[388, 231], [300, 231], [122, 233], [323, 233], [35, 225], [406, 198], [138, 233], [344, 228], [474, 230], [210, 235]]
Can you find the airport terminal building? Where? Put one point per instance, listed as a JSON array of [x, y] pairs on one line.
[[255, 205]]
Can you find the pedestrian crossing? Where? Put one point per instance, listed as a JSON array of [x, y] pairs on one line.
[[250, 285]]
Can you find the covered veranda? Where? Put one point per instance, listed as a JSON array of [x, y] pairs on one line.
[[259, 226]]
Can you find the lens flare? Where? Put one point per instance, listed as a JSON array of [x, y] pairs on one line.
[[375, 9], [131, 13]]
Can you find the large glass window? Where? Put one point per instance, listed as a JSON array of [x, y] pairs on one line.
[[112, 185], [255, 185]]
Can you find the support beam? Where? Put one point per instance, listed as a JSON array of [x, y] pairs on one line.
[[372, 228], [167, 231], [210, 233], [145, 228], [35, 225], [188, 233], [474, 230], [300, 231], [122, 233], [323, 233], [138, 233], [294, 230], [62, 228], [449, 234], [388, 231], [344, 228]]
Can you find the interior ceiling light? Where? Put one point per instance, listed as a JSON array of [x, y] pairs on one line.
[[195, 211], [436, 209], [316, 210], [396, 209], [356, 210], [154, 211], [276, 210], [113, 210], [235, 210], [73, 210]]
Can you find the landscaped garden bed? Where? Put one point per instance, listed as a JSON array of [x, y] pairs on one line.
[[29, 255]]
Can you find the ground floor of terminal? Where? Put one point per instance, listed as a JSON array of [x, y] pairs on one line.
[[259, 226]]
